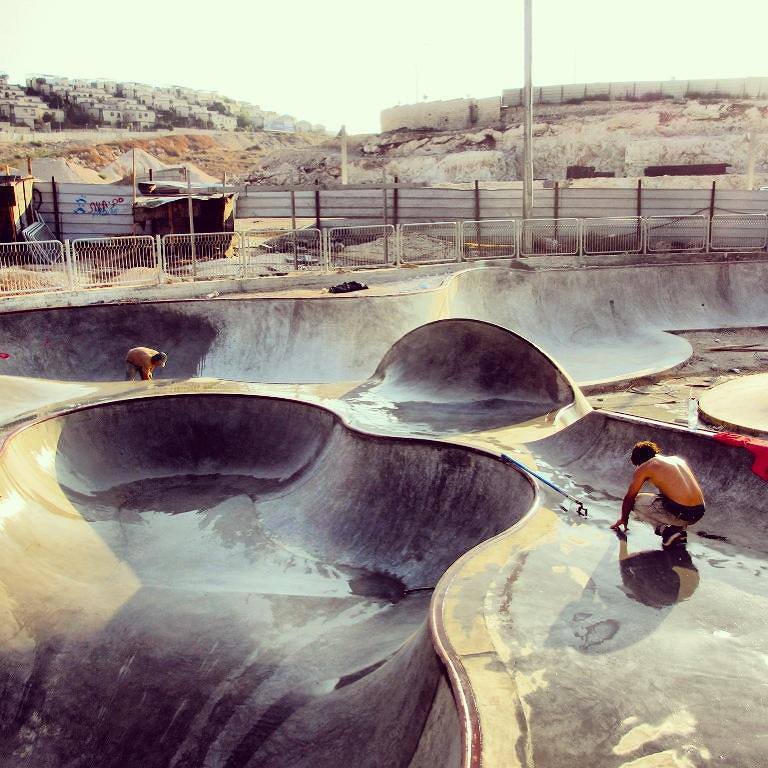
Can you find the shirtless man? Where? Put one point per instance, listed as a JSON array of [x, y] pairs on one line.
[[678, 504], [142, 361]]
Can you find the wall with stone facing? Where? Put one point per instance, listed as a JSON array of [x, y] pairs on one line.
[[451, 115]]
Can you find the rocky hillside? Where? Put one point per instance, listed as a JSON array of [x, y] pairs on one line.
[[621, 137], [235, 153]]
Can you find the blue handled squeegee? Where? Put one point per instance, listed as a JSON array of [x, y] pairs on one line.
[[581, 510]]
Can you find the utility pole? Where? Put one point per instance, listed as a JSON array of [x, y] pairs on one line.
[[528, 115], [344, 168]]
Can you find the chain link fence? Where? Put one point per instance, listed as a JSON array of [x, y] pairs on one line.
[[488, 239], [108, 261], [622, 234], [85, 263], [275, 251], [204, 256], [35, 267], [673, 234], [739, 232], [432, 243], [549, 237], [371, 246]]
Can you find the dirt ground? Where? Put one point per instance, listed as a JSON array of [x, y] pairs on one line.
[[718, 356]]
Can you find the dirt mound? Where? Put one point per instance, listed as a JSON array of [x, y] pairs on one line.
[[20, 280]]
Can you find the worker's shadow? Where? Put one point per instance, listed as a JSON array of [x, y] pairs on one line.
[[602, 620]]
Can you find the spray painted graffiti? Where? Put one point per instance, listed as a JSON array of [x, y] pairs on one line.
[[97, 207]]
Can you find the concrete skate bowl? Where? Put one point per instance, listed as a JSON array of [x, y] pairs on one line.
[[601, 325], [221, 580], [460, 376]]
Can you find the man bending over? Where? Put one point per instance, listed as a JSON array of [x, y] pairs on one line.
[[142, 361], [679, 502]]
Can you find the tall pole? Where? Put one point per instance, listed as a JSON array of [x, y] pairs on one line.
[[528, 115], [344, 167]]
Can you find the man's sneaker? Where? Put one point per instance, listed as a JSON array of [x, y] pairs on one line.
[[672, 536]]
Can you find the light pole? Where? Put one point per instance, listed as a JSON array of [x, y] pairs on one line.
[[528, 116]]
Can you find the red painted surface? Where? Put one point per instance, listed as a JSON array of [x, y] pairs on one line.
[[758, 448], [4, 355]]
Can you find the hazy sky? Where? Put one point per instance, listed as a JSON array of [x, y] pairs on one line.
[[343, 61]]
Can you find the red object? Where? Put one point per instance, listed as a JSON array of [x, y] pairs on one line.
[[758, 448], [4, 355]]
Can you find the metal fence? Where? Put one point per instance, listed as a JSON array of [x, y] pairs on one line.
[[35, 267], [549, 237], [372, 246], [84, 263], [488, 239], [204, 256], [672, 234], [429, 243], [271, 251], [739, 232], [106, 261], [612, 235]]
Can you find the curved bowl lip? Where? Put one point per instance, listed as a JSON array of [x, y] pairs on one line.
[[485, 324], [461, 685]]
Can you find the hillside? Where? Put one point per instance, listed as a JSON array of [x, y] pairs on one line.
[[214, 153]]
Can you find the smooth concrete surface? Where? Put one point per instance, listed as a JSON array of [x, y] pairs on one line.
[[601, 325], [184, 582], [463, 375], [221, 580], [624, 654], [740, 404]]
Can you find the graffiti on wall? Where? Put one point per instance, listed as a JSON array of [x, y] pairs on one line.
[[102, 207]]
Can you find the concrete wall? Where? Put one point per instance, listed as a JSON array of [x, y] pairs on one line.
[[454, 113]]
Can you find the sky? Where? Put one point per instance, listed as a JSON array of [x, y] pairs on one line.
[[343, 61]]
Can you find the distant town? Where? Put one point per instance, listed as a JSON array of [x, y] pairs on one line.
[[50, 102]]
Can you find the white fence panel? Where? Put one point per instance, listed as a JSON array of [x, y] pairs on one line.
[[489, 239], [739, 232], [549, 237], [671, 234], [36, 267], [270, 251], [105, 261], [429, 243], [622, 234], [371, 246], [204, 256]]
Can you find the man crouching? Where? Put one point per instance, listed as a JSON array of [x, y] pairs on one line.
[[678, 504]]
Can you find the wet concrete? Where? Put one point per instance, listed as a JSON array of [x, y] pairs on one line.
[[248, 610]]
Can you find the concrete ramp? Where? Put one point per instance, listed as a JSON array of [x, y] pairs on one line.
[[463, 375], [223, 580]]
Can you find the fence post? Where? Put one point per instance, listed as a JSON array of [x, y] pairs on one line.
[[556, 206], [711, 214], [398, 245], [293, 229], [159, 260], [317, 203], [639, 214], [457, 240], [477, 215], [56, 217], [325, 245], [69, 258], [395, 203]]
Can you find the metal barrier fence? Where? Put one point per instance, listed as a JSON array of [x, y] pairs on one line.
[[612, 235], [35, 267], [488, 239], [428, 243], [549, 237], [673, 234], [106, 261], [84, 263], [204, 256], [270, 251], [739, 232], [372, 246]]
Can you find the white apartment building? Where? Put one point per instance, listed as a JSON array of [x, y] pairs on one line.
[[222, 122], [139, 118]]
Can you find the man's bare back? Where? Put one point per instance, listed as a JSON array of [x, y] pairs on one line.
[[143, 361], [673, 477]]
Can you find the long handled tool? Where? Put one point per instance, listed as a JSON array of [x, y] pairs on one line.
[[581, 510]]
